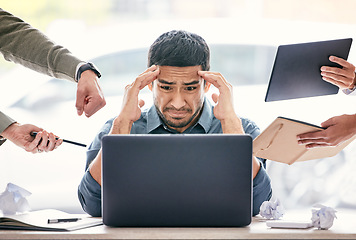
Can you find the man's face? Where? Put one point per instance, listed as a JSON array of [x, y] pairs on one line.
[[178, 95]]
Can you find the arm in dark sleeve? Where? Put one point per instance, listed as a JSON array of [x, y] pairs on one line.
[[262, 190], [89, 194], [89, 190]]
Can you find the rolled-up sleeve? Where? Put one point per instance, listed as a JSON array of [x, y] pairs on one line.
[[262, 190]]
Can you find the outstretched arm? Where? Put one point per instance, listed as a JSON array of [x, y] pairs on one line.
[[21, 43]]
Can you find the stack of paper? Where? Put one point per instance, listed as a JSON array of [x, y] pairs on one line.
[[38, 220]]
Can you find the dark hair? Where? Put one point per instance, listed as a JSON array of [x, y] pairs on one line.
[[179, 49]]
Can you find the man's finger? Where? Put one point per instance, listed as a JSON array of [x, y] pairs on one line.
[[43, 144], [341, 62], [80, 100], [328, 123], [315, 145], [51, 142], [341, 76], [311, 135], [215, 97], [93, 104], [335, 82], [312, 141], [150, 69], [32, 146], [141, 103], [216, 80], [144, 79]]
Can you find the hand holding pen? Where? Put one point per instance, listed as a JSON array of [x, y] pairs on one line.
[[19, 134], [34, 134], [45, 141]]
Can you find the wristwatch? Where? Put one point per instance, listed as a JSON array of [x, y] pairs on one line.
[[2, 140], [87, 66]]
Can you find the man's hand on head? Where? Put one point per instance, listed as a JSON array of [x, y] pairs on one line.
[[224, 108], [131, 105]]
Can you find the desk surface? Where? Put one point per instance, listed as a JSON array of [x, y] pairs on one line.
[[344, 228]]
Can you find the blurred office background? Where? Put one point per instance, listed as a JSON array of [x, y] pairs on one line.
[[116, 34]]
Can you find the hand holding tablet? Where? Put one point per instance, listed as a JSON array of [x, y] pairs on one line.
[[297, 69]]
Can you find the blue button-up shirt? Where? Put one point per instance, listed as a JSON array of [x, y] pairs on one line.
[[89, 191]]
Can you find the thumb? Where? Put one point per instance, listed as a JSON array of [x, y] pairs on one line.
[[79, 104], [215, 97], [327, 123], [141, 103]]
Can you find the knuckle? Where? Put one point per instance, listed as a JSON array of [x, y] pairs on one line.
[[80, 91]]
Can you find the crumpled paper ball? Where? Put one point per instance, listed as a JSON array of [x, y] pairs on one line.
[[323, 218], [13, 200], [272, 209]]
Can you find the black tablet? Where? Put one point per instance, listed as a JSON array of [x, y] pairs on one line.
[[296, 70]]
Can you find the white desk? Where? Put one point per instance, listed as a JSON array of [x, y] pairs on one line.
[[344, 228]]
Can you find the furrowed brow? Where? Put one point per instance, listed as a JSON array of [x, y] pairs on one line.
[[165, 82], [191, 83]]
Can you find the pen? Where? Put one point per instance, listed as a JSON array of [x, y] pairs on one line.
[[63, 220], [33, 134]]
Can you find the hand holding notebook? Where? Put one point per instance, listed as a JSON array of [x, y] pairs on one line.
[[278, 142]]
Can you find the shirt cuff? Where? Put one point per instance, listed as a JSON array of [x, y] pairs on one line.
[[5, 122], [351, 92], [76, 71]]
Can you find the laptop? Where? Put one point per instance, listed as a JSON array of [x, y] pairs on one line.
[[296, 71], [177, 180]]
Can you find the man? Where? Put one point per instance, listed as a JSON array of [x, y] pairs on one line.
[[339, 128], [178, 77], [23, 44]]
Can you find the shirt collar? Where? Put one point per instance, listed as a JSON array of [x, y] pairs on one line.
[[206, 117], [205, 120], [153, 120]]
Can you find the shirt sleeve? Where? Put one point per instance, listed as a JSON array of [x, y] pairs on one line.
[[5, 121], [89, 190], [21, 43], [253, 130], [350, 92], [89, 194], [262, 190]]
